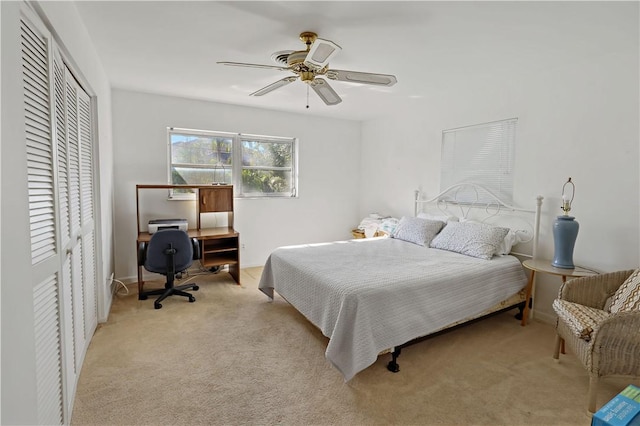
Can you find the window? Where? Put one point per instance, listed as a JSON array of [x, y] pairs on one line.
[[483, 154], [257, 166]]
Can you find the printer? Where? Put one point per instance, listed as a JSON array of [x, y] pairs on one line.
[[159, 224]]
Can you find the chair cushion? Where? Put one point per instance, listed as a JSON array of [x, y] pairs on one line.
[[582, 320], [627, 297]]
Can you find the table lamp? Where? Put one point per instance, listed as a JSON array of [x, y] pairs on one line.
[[565, 230]]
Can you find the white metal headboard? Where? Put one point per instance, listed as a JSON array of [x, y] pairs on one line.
[[461, 199]]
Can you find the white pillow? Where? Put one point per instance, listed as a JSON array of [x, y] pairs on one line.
[[512, 238], [417, 230], [470, 238]]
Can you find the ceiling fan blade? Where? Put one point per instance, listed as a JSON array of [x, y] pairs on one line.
[[326, 92], [242, 64], [273, 86], [362, 77], [320, 53]]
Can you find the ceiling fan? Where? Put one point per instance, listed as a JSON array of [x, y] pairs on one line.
[[311, 65]]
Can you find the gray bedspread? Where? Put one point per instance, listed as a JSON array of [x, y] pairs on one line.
[[369, 295]]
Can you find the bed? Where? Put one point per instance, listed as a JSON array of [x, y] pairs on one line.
[[376, 295]]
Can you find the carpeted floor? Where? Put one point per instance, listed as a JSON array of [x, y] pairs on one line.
[[234, 358]]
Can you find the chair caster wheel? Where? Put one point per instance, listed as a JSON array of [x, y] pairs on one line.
[[196, 288], [157, 305], [142, 297], [192, 299]]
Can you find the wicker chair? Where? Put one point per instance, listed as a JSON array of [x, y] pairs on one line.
[[614, 344]]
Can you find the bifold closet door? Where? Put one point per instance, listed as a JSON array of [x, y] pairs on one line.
[[76, 215], [45, 260], [60, 175]]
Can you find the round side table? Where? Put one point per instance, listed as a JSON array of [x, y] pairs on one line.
[[544, 266]]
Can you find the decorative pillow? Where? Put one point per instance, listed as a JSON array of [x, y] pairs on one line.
[[627, 297], [581, 319], [512, 238], [469, 238], [416, 230], [389, 225]]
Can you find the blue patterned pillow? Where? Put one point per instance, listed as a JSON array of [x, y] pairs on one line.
[[416, 230], [469, 238]]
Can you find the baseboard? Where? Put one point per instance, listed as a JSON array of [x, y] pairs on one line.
[[545, 317]]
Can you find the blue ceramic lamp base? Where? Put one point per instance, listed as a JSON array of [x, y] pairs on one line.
[[565, 232]]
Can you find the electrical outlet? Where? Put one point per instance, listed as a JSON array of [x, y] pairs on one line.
[[242, 246]]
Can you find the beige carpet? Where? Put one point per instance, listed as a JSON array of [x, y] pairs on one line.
[[234, 358]]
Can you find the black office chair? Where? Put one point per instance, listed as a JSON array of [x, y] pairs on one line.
[[169, 252]]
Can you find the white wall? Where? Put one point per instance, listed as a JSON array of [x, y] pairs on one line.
[[329, 175], [575, 94], [18, 349]]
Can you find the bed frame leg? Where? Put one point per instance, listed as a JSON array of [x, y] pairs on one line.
[[393, 365], [520, 314]]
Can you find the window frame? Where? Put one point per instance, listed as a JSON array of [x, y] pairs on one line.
[[237, 167]]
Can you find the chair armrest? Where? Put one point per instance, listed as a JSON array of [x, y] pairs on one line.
[[196, 249], [593, 290], [616, 343], [142, 253]]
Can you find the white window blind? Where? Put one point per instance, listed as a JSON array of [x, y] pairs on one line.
[[482, 154]]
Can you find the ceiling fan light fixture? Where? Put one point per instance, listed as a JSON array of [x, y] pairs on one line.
[[320, 53]]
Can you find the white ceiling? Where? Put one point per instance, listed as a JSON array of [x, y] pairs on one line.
[[172, 47]]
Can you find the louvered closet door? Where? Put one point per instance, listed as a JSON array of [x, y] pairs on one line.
[[87, 208], [45, 273], [60, 171], [77, 212]]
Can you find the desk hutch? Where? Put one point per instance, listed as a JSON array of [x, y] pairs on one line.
[[218, 246]]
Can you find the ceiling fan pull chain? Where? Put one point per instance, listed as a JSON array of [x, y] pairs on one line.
[[307, 96]]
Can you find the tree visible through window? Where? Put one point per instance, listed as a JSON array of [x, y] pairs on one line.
[[267, 166], [258, 166]]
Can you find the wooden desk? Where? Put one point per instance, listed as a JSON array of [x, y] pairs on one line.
[[218, 246], [544, 266]]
